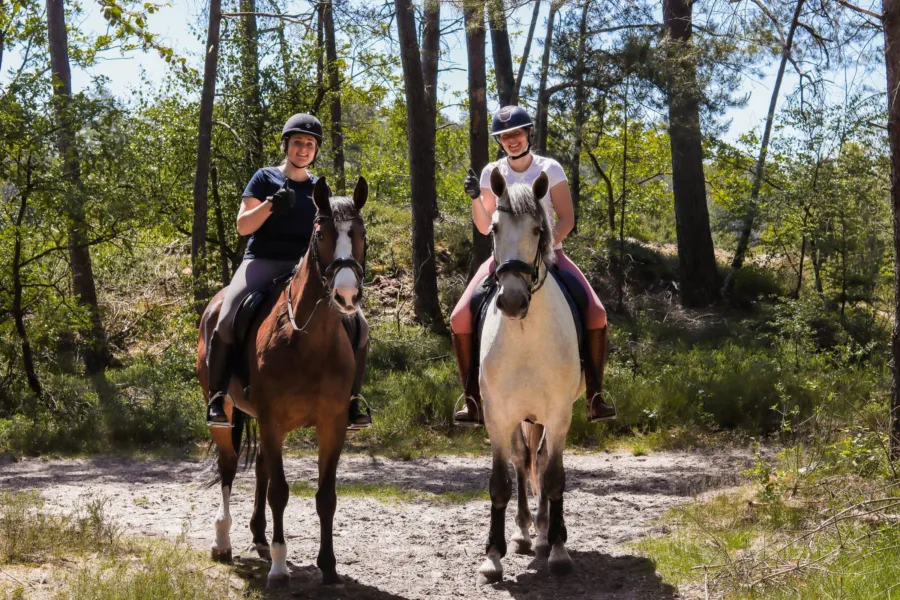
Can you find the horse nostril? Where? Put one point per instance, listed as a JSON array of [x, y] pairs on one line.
[[339, 299]]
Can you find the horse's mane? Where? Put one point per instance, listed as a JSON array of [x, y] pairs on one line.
[[343, 208], [522, 202]]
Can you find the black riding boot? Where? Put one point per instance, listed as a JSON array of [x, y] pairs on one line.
[[357, 418], [219, 370], [594, 364]]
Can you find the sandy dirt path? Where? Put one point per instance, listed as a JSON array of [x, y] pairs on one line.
[[406, 550]]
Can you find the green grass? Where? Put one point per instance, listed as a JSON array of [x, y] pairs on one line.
[[390, 493]]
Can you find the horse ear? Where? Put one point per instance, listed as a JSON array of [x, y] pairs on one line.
[[360, 193], [498, 183], [540, 186], [320, 197]]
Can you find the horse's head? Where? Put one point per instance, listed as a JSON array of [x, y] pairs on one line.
[[339, 244], [523, 235]]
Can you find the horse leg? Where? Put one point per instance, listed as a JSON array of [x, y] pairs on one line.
[[258, 519], [491, 571], [221, 550], [331, 442], [554, 482], [520, 458], [279, 574], [542, 518]]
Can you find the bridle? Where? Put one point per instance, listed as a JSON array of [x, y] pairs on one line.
[[520, 267], [327, 272]]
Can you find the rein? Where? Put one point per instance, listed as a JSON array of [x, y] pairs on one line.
[[359, 271], [520, 267]]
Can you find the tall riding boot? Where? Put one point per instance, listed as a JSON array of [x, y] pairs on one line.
[[594, 363], [219, 370], [357, 418], [471, 415]]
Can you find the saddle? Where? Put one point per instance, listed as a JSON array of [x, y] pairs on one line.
[[247, 314], [574, 293]]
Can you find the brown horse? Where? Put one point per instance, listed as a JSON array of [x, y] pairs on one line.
[[301, 366]]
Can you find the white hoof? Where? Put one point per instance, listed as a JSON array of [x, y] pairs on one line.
[[560, 563], [490, 571], [521, 542], [279, 569], [541, 545]]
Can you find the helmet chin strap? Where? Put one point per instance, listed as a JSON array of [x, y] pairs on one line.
[[527, 151]]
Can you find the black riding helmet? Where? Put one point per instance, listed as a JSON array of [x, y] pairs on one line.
[[510, 118], [302, 123]]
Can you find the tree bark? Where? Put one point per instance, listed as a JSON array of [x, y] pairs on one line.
[[891, 23], [18, 311], [252, 109], [478, 117], [204, 147], [522, 65], [503, 68], [580, 116], [334, 85], [97, 354], [224, 251], [620, 304], [747, 223], [540, 133], [320, 59], [696, 258], [421, 138]]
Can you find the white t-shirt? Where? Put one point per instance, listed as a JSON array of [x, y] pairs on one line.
[[539, 164]]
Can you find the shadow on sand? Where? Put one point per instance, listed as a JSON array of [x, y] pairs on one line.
[[596, 576], [306, 582]]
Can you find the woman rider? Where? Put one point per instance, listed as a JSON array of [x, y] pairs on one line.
[[512, 127], [278, 213]]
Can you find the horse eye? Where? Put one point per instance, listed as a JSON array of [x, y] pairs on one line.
[[538, 230]]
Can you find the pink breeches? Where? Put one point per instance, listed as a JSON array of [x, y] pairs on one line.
[[461, 319]]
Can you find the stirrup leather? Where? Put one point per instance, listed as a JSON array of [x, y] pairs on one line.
[[457, 408], [368, 412]]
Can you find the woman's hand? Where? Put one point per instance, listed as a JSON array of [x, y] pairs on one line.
[[282, 200], [471, 185]]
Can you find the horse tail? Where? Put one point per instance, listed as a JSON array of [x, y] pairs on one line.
[[534, 437]]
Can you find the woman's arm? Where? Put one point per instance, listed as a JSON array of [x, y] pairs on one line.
[[252, 215], [561, 198], [483, 209]]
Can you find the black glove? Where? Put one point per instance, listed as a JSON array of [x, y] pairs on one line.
[[472, 185], [282, 200]]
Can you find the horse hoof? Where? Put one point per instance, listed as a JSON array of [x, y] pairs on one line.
[[488, 578], [263, 551], [522, 546], [221, 556], [562, 567], [331, 579], [278, 582], [540, 549]]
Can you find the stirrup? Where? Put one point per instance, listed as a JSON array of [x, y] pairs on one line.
[[357, 426], [590, 408], [461, 401], [222, 424]]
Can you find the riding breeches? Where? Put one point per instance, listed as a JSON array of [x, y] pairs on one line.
[[461, 318]]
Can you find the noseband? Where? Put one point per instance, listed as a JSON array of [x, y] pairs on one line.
[[520, 267], [326, 273]]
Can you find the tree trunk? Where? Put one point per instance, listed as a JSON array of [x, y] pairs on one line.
[[503, 69], [610, 206], [204, 147], [252, 105], [698, 276], [478, 117], [891, 22], [18, 311], [580, 116], [540, 133], [320, 59], [334, 85], [747, 223], [422, 171], [97, 354], [431, 46], [224, 251], [526, 51], [620, 304]]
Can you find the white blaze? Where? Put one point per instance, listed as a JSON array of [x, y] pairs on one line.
[[345, 283]]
